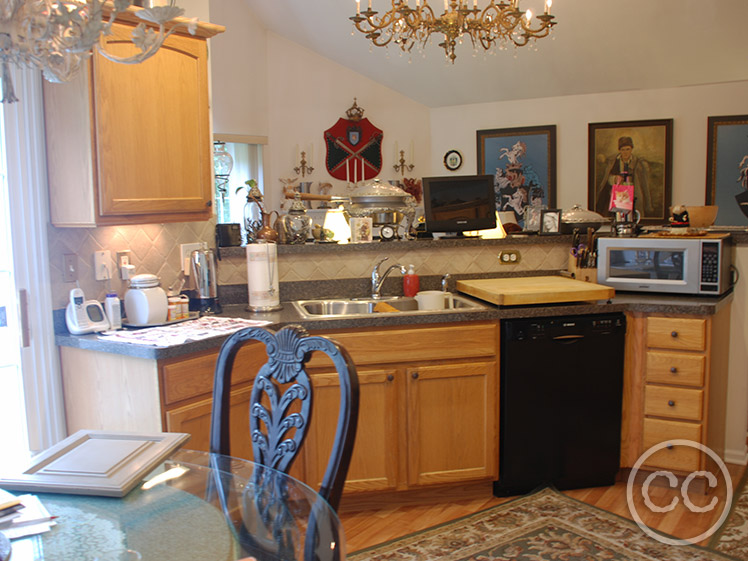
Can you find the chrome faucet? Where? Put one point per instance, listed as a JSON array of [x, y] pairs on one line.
[[445, 282], [377, 279]]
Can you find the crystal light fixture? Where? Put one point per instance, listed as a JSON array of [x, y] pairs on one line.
[[58, 36], [501, 24]]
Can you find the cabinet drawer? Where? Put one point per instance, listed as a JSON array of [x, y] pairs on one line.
[[416, 344], [678, 457], [676, 333], [675, 368], [192, 377], [677, 403]]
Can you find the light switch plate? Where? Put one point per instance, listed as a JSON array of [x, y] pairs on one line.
[[187, 249], [103, 265], [69, 267]]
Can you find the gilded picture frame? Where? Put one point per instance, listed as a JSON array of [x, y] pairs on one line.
[[645, 150]]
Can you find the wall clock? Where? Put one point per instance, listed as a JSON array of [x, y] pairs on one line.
[[452, 160]]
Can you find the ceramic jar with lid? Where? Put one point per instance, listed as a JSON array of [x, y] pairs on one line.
[[296, 226], [146, 302]]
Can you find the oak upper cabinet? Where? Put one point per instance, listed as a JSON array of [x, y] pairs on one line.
[[132, 143], [428, 409]]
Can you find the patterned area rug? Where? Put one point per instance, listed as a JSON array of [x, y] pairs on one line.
[[733, 536], [544, 526]]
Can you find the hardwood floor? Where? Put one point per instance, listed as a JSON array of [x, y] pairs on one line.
[[366, 525]]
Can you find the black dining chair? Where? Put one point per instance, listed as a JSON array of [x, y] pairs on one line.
[[280, 412]]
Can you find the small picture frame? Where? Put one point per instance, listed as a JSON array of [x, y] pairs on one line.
[[532, 218], [362, 229], [452, 160], [550, 221]]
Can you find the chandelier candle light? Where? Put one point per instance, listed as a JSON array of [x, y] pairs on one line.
[[57, 37], [501, 23]]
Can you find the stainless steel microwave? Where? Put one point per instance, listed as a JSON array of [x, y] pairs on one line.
[[660, 264]]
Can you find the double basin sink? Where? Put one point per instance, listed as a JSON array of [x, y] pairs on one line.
[[362, 307]]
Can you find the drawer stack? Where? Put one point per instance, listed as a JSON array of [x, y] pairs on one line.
[[675, 390]]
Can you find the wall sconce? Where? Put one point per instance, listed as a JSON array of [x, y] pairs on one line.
[[402, 166], [303, 168]]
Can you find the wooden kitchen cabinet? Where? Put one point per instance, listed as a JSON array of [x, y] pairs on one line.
[[374, 464], [428, 402], [132, 143], [675, 387], [429, 407]]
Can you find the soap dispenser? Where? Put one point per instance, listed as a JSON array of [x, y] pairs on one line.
[[411, 283]]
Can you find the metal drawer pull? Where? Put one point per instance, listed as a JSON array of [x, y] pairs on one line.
[[673, 369], [669, 447], [671, 403], [390, 377], [673, 333], [415, 375]]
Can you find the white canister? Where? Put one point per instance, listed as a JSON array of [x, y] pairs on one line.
[[145, 301]]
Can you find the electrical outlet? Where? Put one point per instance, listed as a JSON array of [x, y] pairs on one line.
[[69, 267], [103, 265], [509, 257], [123, 258], [187, 249]]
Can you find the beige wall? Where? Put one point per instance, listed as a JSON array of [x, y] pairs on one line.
[[689, 107]]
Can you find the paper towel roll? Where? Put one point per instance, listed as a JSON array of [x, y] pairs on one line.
[[262, 276]]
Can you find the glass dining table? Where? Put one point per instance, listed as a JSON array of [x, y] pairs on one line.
[[194, 505]]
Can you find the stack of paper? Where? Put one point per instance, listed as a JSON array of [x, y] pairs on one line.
[[22, 516]]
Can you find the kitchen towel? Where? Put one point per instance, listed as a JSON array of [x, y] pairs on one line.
[[262, 275]]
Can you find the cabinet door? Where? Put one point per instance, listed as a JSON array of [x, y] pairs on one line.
[[452, 422], [151, 129], [375, 453], [195, 420]]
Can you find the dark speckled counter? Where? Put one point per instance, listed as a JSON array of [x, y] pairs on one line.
[[644, 303]]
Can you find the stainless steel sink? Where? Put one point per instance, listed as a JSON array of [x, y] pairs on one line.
[[351, 307]]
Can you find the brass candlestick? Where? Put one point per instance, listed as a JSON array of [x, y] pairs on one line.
[[303, 169], [402, 166]]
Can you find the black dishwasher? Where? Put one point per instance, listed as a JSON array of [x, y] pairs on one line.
[[560, 402]]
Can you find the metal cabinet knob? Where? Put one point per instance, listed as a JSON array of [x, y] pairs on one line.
[[671, 403], [390, 377], [414, 375], [209, 203], [673, 369], [673, 333], [669, 446]]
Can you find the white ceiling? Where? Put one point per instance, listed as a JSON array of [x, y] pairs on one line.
[[597, 46]]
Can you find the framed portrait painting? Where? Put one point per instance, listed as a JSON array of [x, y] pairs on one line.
[[638, 152], [727, 168], [522, 161]]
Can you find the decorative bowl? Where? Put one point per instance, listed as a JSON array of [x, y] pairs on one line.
[[701, 216]]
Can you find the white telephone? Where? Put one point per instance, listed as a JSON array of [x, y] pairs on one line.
[[84, 316]]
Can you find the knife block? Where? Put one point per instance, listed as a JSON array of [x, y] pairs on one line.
[[587, 274]]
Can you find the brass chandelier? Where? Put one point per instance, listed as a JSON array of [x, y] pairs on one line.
[[501, 24]]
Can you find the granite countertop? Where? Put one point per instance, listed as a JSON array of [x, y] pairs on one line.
[[644, 303]]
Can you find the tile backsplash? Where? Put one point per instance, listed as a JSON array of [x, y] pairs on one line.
[[155, 249]]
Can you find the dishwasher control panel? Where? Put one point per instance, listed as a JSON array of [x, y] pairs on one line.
[[565, 326]]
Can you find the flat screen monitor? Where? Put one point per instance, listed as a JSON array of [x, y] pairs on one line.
[[458, 203]]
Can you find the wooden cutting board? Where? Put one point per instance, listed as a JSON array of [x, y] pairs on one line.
[[513, 291]]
